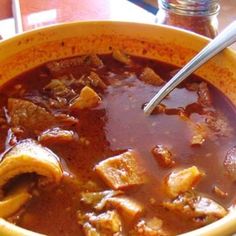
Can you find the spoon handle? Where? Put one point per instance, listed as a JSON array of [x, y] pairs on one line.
[[223, 40]]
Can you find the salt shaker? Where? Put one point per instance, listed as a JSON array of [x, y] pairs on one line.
[[199, 16]]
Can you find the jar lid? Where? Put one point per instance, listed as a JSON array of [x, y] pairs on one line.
[[191, 7]]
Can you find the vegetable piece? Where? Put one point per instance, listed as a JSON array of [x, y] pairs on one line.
[[149, 76], [121, 171], [230, 163], [128, 208], [121, 57], [28, 156], [163, 156], [8, 229], [56, 135], [197, 208], [182, 181], [88, 98], [107, 223], [98, 199], [29, 116]]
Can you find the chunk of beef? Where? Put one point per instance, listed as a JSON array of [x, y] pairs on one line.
[[60, 65], [96, 81], [183, 180], [230, 163], [94, 61], [149, 76], [160, 108], [200, 209], [27, 156], [92, 80], [163, 156], [29, 116], [56, 135], [149, 227], [121, 171], [128, 208], [98, 200], [58, 88], [219, 124], [121, 57], [107, 223], [88, 98], [204, 97]]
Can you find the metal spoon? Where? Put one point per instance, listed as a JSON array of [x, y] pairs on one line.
[[223, 40]]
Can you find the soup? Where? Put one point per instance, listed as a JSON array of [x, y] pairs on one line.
[[79, 157]]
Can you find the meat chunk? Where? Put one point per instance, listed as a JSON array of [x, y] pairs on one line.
[[128, 208], [183, 180], [96, 81], [11, 204], [58, 88], [27, 115], [56, 135], [121, 57], [89, 230], [107, 223], [98, 200], [149, 76], [88, 98], [28, 156], [93, 80], [230, 163], [121, 171], [219, 124], [163, 156], [204, 97], [60, 65], [200, 209], [149, 227], [7, 228], [94, 60]]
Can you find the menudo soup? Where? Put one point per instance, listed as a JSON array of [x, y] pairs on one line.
[[79, 157]]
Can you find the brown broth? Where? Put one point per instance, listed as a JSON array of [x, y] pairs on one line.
[[116, 125]]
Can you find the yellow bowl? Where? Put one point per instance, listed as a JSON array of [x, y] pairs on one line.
[[166, 44]]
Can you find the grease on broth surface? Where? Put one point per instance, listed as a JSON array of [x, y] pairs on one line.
[[124, 173]]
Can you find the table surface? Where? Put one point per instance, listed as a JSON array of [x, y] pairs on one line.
[[38, 13]]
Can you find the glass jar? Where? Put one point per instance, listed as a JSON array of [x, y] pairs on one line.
[[199, 16]]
